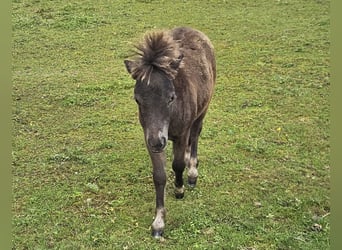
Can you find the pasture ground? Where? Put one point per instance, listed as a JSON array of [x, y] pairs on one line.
[[81, 174]]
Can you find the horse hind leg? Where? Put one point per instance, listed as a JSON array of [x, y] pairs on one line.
[[193, 173], [193, 170], [193, 161]]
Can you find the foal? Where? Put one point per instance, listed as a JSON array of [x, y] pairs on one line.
[[175, 73]]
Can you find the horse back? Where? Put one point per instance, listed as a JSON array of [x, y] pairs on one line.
[[196, 78]]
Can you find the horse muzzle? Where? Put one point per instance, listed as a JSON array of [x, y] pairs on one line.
[[157, 145]]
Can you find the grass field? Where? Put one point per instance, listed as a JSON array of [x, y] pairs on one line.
[[81, 174]]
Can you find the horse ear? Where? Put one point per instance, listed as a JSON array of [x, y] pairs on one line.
[[175, 64], [129, 65]]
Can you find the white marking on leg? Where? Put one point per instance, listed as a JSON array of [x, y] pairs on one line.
[[187, 158], [179, 190], [193, 172], [158, 223]]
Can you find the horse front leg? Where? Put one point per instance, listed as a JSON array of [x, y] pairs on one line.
[[159, 180]]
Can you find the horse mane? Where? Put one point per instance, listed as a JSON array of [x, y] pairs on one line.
[[158, 50]]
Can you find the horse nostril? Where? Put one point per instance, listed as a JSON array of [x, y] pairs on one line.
[[163, 142]]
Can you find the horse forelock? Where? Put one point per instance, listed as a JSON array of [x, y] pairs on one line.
[[158, 50]]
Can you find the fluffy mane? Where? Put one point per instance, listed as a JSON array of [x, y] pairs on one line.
[[158, 50]]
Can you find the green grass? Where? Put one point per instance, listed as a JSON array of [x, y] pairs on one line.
[[81, 174]]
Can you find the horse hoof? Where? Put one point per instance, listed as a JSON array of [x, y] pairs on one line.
[[157, 234], [179, 192], [179, 195], [192, 182]]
